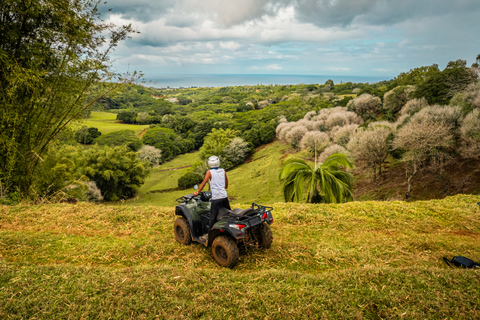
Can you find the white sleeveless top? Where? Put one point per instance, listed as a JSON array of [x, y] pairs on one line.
[[217, 184]]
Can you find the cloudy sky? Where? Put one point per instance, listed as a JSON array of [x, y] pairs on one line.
[[306, 37]]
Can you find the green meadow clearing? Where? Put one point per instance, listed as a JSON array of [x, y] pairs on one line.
[[106, 122], [358, 260]]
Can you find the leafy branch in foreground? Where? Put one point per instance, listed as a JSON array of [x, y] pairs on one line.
[[51, 53]]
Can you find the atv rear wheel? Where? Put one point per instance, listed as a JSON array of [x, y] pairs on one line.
[[182, 231], [225, 251], [265, 235]]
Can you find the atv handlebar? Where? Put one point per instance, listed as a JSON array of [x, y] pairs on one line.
[[204, 196], [186, 198], [207, 195]]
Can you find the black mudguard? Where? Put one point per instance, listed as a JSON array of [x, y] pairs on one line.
[[195, 226]]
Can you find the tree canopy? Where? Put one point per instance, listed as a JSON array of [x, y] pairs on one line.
[[51, 53]]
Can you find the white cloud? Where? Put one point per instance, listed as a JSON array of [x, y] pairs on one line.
[[273, 67], [230, 45], [296, 36]]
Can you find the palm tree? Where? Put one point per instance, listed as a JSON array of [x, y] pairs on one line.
[[324, 183]]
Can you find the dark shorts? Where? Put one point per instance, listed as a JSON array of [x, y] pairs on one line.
[[216, 205]]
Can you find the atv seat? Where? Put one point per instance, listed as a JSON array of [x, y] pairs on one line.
[[243, 212], [224, 212]]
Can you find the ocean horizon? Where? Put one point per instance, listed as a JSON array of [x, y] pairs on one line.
[[229, 80]]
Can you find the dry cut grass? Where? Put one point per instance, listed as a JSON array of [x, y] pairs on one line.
[[362, 260]]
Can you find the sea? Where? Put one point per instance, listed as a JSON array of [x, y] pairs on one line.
[[229, 80]]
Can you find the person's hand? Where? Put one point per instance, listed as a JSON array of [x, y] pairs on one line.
[[195, 193]]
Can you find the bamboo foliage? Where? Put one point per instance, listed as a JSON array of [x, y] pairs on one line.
[[51, 53]]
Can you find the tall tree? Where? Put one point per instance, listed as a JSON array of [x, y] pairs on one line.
[[370, 147], [51, 53], [440, 86], [324, 183]]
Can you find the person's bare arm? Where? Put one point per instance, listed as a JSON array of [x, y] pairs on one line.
[[226, 180], [208, 176]]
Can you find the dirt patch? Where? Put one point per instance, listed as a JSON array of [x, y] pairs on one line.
[[164, 190], [171, 169], [250, 160], [459, 176], [140, 135], [466, 233]]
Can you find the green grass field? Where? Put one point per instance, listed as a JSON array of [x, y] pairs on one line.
[[254, 181], [358, 260], [106, 122], [164, 177]]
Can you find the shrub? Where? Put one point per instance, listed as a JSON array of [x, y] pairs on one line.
[[188, 180], [309, 115], [327, 119], [443, 115], [93, 193], [341, 117], [116, 171], [57, 172], [236, 151], [342, 135], [315, 140], [310, 125], [215, 142], [413, 106], [282, 130], [150, 154], [260, 133], [344, 101], [422, 140], [365, 105], [162, 139], [470, 135], [333, 149], [120, 138], [382, 124], [282, 119], [295, 135], [469, 99], [129, 117], [396, 98], [370, 147], [86, 135]]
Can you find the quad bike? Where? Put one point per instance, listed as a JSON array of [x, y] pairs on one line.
[[234, 229]]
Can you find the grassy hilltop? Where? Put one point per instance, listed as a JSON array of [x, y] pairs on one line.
[[355, 260]]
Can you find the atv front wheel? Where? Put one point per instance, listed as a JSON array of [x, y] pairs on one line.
[[266, 237], [225, 251], [182, 231]]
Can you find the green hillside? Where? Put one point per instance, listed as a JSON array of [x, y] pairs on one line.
[[363, 260], [253, 181]]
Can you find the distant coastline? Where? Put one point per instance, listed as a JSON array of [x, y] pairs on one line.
[[227, 80]]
